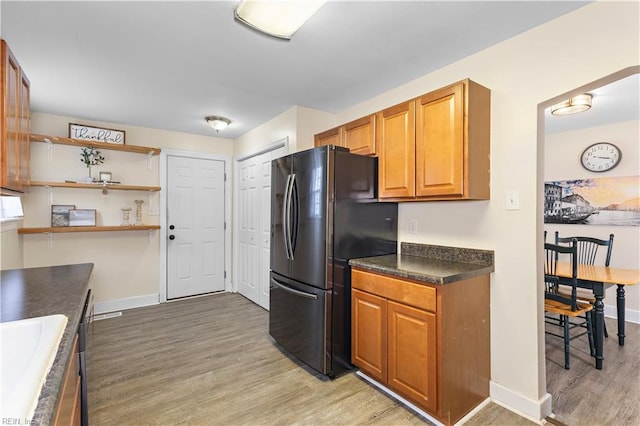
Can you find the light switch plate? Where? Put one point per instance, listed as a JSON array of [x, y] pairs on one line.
[[154, 211], [512, 200], [413, 226]]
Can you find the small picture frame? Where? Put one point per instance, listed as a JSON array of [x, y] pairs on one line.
[[60, 215], [97, 134], [105, 177], [82, 217]]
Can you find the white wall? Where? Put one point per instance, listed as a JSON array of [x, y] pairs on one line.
[[126, 263], [562, 151]]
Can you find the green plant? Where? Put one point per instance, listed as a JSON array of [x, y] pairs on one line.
[[91, 157]]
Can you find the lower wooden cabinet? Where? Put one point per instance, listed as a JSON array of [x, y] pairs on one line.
[[411, 353], [428, 343], [369, 334], [68, 411]]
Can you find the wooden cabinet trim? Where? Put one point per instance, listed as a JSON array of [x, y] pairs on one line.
[[417, 295]]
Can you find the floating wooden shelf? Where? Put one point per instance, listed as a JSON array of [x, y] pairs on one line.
[[112, 146], [62, 229], [108, 186]]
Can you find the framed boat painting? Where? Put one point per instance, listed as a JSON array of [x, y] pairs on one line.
[[598, 201]]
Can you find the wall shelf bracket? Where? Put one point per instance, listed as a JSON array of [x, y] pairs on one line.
[[149, 156], [50, 194], [49, 149]]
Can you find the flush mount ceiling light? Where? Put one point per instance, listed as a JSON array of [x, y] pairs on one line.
[[573, 105], [218, 123], [278, 19]]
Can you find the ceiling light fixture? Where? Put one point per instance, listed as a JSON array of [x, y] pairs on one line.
[[278, 19], [218, 123], [573, 105]]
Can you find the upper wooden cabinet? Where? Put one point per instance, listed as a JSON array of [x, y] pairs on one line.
[[328, 137], [15, 115], [436, 147], [396, 142], [357, 135]]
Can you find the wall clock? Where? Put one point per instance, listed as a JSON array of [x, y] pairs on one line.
[[600, 157]]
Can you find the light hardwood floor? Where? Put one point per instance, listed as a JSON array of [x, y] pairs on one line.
[[209, 361], [588, 397]]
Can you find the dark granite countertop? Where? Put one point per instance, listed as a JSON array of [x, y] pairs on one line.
[[36, 292], [429, 263]]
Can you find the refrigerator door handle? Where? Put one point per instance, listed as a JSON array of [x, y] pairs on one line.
[[276, 284], [292, 186], [286, 215]]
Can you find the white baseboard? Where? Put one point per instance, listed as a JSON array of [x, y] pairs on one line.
[[126, 303], [529, 408], [630, 315], [388, 391]]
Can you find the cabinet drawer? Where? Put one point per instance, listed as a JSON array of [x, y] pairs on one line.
[[413, 294]]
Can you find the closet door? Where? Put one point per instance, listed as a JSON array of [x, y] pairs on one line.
[[254, 226]]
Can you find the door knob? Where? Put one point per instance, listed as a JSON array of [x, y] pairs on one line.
[[172, 237]]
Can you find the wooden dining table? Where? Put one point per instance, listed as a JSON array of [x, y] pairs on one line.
[[597, 278]]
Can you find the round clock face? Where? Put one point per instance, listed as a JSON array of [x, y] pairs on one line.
[[600, 157]]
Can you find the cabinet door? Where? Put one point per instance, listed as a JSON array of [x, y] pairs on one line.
[[440, 152], [359, 135], [412, 354], [10, 139], [329, 137], [395, 146], [369, 334]]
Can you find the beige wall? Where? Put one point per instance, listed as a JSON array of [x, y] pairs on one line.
[[126, 263], [298, 124], [10, 245], [521, 72], [562, 151]]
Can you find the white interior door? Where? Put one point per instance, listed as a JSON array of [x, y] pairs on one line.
[[254, 226], [195, 218]]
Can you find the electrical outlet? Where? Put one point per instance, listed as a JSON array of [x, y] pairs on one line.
[[512, 200], [154, 211], [413, 226]]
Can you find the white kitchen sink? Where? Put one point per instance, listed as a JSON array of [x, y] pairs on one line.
[[27, 351]]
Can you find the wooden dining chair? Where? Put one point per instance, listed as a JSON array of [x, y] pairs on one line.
[[572, 312], [587, 254]]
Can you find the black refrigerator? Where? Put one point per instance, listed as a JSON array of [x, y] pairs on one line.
[[324, 211]]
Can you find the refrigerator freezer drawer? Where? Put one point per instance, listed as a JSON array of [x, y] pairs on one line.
[[298, 321]]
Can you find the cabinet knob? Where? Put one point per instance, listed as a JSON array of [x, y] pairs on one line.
[[172, 237], [172, 227]]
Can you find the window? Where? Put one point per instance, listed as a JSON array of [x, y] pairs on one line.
[[10, 208]]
